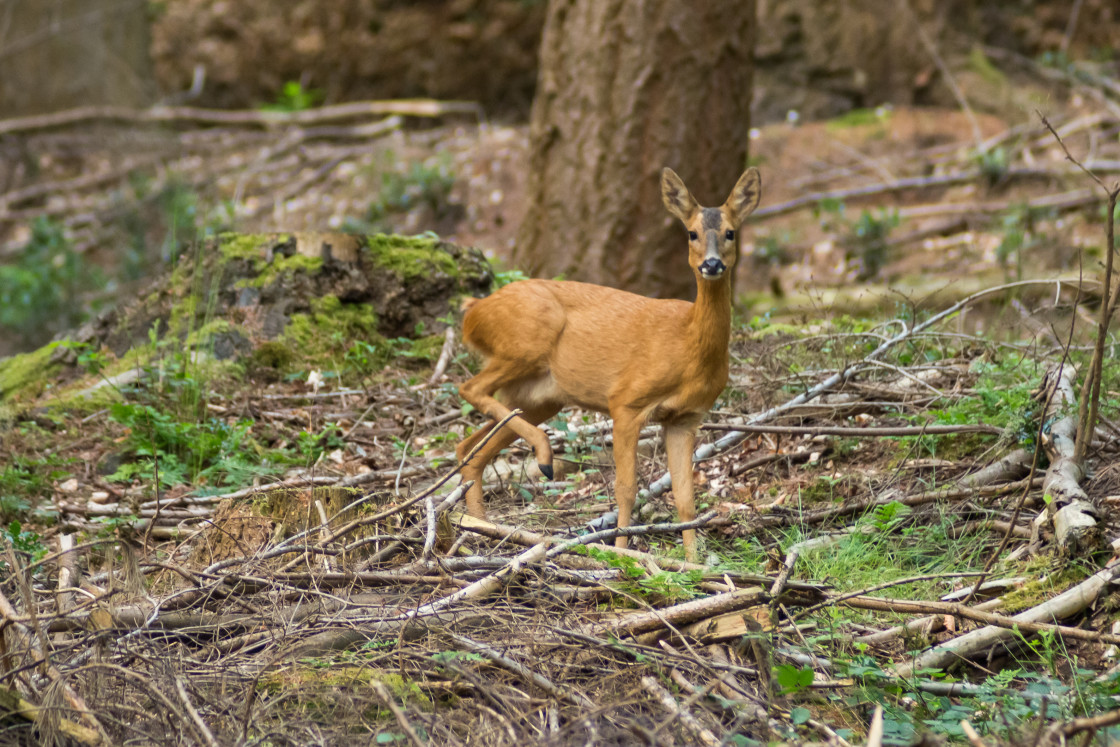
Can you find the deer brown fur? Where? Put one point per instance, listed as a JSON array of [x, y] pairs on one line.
[[549, 344]]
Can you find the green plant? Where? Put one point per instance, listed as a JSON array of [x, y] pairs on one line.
[[42, 291], [22, 541], [865, 240], [173, 452], [505, 277], [293, 97], [23, 482], [422, 183], [993, 164], [1002, 397], [793, 679], [868, 244], [311, 446]]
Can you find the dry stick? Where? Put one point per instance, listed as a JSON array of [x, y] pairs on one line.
[[524, 537], [25, 638], [1089, 724], [1061, 201], [1036, 452], [12, 704], [1073, 515], [434, 513], [780, 582], [204, 730], [687, 612], [875, 731], [444, 354], [359, 420], [971, 613], [575, 697], [919, 624], [1071, 199], [430, 538], [972, 735], [706, 451], [492, 582], [1091, 387], [688, 721], [879, 587], [917, 499]]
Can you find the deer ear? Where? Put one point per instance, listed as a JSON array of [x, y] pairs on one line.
[[748, 191], [675, 195]]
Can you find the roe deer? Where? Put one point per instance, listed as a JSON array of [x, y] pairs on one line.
[[549, 344]]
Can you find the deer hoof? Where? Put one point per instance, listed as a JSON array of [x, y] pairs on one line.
[[546, 470]]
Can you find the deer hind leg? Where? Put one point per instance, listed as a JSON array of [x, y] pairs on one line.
[[498, 374], [679, 442], [473, 469], [627, 429]]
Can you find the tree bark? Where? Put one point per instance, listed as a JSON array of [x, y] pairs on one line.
[[627, 87]]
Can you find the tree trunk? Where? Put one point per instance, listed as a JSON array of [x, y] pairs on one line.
[[56, 54], [627, 87]]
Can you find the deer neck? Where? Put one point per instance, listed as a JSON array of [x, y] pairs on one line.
[[710, 319]]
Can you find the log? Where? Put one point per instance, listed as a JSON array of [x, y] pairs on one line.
[[984, 639], [1074, 516]]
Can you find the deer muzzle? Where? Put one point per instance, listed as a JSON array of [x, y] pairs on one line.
[[712, 266]]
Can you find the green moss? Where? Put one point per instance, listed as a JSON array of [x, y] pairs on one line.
[[859, 118], [410, 256], [246, 245], [1035, 592], [202, 335], [272, 354], [402, 688], [25, 376], [773, 329], [281, 266], [330, 329], [979, 63]]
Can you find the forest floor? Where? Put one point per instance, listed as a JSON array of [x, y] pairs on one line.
[[274, 553]]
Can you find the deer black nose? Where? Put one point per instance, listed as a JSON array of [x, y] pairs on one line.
[[712, 268]]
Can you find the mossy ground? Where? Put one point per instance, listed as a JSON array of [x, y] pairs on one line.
[[26, 376], [323, 335]]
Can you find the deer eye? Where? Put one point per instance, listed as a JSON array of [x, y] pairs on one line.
[[730, 235], [692, 236]]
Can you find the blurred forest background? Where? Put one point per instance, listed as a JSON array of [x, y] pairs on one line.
[[842, 94], [235, 449]]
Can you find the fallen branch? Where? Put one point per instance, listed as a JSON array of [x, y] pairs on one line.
[[839, 430], [1074, 516], [688, 612], [491, 583], [244, 117], [984, 639]]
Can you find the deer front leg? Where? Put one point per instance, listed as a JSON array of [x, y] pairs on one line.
[[627, 428], [679, 443]]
